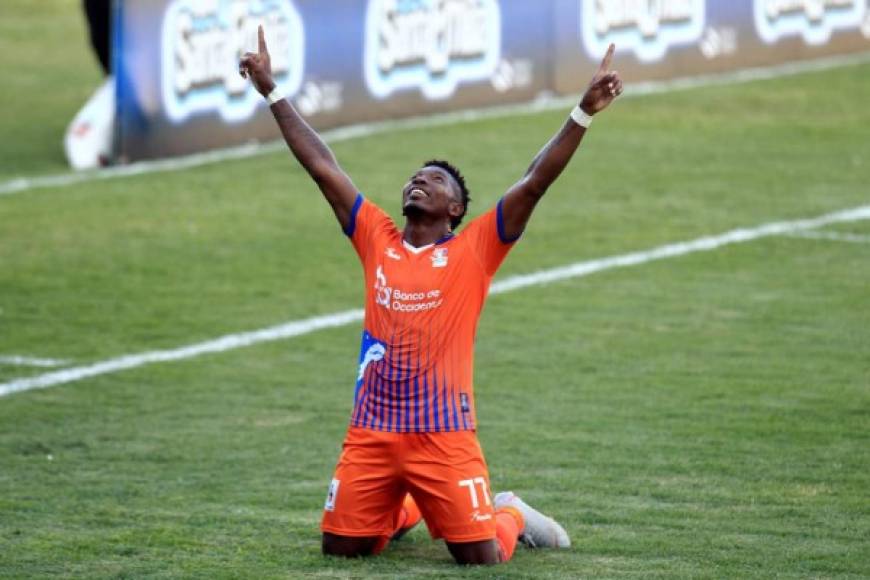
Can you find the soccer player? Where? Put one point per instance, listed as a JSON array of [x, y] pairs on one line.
[[411, 448]]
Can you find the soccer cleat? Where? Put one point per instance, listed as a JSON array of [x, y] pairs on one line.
[[540, 531]]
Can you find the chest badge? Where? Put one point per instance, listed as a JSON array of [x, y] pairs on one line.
[[439, 257], [391, 253]]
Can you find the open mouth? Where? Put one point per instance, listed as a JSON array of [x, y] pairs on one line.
[[416, 194]]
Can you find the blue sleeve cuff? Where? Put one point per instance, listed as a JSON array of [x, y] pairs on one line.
[[351, 224], [499, 221]]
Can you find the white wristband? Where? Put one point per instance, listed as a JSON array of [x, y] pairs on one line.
[[275, 96], [580, 117]]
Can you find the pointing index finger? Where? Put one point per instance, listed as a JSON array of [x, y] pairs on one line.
[[605, 63], [261, 39]]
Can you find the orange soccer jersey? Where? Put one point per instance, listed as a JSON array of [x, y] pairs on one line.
[[422, 308]]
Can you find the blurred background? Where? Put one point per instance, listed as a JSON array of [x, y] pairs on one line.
[[162, 78]]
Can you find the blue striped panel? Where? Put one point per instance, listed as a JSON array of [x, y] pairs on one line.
[[455, 413], [425, 398], [435, 411], [445, 418]]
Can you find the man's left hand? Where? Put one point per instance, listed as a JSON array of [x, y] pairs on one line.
[[258, 65], [604, 87]]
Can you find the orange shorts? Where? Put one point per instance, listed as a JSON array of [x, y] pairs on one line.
[[444, 472]]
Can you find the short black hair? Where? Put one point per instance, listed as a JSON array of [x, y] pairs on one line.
[[460, 181]]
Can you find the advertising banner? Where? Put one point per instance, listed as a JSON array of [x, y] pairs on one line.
[[673, 38], [341, 62]]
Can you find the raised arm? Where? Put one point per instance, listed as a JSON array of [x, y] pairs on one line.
[[307, 146], [521, 198]]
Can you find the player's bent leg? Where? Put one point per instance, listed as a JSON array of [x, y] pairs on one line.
[[446, 473], [474, 553], [406, 517], [508, 525], [348, 546], [365, 496]]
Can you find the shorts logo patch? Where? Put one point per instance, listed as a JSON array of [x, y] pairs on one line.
[[331, 496]]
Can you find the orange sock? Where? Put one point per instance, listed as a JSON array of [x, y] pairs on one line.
[[409, 516], [509, 524]]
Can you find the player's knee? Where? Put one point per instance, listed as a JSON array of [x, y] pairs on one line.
[[474, 553], [347, 547]]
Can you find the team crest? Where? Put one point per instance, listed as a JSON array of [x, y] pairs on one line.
[[439, 257]]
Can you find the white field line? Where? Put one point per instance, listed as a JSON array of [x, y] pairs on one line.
[[309, 325], [544, 103], [221, 344], [679, 249], [29, 361], [832, 236]]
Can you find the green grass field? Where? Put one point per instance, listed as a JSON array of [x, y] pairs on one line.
[[706, 416]]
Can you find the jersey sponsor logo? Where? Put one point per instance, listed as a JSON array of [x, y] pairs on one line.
[[382, 291], [430, 45], [812, 20], [647, 28], [392, 254], [331, 495], [201, 43], [398, 300], [439, 257]]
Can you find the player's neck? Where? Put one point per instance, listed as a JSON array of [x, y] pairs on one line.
[[421, 233]]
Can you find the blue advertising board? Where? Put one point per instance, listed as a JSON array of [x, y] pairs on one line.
[[348, 61], [673, 38]]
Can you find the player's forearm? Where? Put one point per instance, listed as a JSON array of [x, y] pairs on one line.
[[521, 199], [306, 145], [553, 158]]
